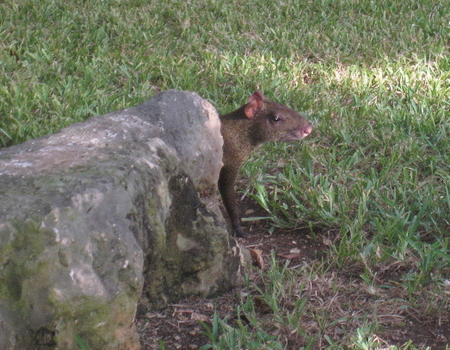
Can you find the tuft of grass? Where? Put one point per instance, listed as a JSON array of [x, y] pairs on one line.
[[315, 307], [81, 343], [224, 336]]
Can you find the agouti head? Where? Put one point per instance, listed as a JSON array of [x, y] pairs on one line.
[[253, 124], [273, 121]]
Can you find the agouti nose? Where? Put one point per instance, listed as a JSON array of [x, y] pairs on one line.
[[307, 130]]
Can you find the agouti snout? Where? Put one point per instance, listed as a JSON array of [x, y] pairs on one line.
[[253, 124]]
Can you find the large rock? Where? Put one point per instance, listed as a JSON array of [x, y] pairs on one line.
[[107, 214]]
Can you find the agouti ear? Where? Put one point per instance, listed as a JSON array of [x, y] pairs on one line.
[[255, 103]]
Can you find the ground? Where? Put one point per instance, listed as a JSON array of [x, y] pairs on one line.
[[179, 325]]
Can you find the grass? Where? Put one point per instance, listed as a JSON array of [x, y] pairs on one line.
[[374, 76]]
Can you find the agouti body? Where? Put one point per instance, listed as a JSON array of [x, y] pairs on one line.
[[244, 130]]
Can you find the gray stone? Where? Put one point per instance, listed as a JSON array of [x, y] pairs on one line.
[[109, 214]]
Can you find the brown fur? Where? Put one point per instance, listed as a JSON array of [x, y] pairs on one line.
[[244, 130]]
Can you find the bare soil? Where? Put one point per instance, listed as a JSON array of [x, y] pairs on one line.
[[179, 325]]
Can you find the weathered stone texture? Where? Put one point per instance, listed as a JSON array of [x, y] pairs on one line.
[[119, 209]]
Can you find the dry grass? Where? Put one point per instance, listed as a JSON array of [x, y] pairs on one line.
[[309, 303]]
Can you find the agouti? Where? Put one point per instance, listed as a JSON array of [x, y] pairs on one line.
[[244, 130]]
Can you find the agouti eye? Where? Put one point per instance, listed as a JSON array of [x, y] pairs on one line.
[[276, 118]]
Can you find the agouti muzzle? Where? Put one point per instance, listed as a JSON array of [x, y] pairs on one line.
[[244, 130]]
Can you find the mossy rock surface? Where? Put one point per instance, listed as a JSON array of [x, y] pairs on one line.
[[107, 217]]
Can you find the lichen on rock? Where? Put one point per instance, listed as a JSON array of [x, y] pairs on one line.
[[110, 216]]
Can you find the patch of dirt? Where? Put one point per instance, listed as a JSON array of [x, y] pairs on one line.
[[179, 326]]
